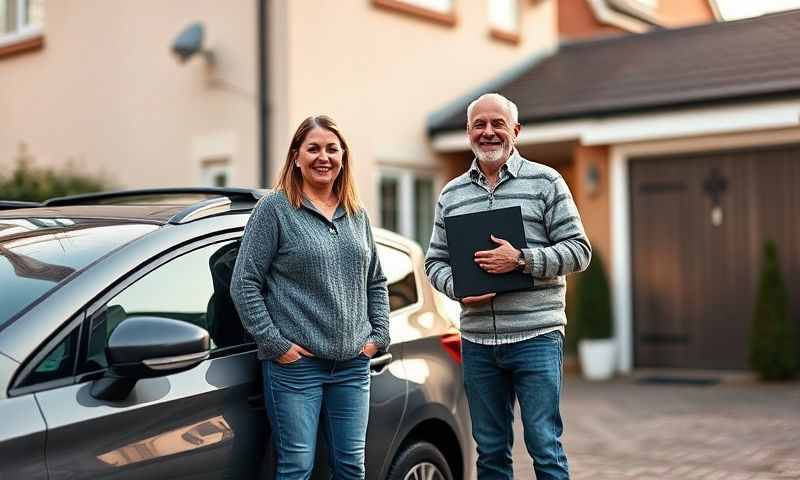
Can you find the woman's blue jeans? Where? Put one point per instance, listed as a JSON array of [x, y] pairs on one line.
[[311, 393], [531, 372]]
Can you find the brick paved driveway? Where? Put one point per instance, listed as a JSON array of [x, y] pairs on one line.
[[733, 431]]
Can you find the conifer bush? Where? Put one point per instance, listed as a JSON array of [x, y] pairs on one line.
[[592, 302], [773, 352]]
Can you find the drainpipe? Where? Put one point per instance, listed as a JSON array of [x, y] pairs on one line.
[[263, 89]]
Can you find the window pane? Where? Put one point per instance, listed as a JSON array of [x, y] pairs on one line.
[[8, 16], [34, 13], [399, 270], [193, 288], [390, 204], [423, 214], [59, 363], [503, 14]]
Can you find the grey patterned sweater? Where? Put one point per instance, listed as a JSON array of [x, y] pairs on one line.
[[300, 278], [556, 246]]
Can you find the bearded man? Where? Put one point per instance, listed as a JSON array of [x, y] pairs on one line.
[[512, 343]]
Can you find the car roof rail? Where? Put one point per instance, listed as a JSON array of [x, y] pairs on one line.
[[12, 204], [157, 195], [202, 209]]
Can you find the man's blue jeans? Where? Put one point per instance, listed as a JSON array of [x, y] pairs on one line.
[[312, 392], [531, 372]]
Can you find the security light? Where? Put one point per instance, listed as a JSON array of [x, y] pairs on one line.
[[190, 42]]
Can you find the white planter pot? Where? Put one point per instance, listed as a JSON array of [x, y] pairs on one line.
[[597, 358]]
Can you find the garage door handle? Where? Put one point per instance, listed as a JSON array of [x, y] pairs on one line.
[[379, 364]]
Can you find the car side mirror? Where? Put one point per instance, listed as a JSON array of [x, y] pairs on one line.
[[146, 347]]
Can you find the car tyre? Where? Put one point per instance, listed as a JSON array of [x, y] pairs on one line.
[[420, 461]]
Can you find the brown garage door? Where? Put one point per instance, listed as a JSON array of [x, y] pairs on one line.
[[695, 271]]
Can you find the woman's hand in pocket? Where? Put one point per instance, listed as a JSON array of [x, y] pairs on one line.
[[295, 353], [370, 349]]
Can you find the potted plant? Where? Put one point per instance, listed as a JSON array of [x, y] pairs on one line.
[[592, 313], [772, 339]]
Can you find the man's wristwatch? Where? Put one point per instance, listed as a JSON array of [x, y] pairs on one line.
[[520, 262]]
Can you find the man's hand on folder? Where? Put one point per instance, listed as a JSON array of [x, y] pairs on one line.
[[502, 259], [479, 299]]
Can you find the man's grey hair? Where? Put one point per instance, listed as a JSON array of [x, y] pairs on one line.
[[511, 107]]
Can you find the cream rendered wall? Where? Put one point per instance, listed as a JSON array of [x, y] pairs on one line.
[[107, 92], [380, 73]]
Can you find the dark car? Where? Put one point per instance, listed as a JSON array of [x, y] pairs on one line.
[[121, 355]]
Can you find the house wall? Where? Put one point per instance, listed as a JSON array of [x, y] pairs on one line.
[[107, 94], [593, 202], [379, 73], [577, 20], [679, 13]]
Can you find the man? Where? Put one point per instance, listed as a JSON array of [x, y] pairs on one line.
[[512, 342]]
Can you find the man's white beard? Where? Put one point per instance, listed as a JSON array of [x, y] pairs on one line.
[[492, 156]]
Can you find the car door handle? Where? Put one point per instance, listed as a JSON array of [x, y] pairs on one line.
[[256, 401], [379, 364]]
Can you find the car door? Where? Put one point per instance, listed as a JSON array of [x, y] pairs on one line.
[[204, 423]]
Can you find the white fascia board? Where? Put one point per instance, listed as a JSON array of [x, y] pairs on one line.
[[606, 15], [688, 122], [693, 122]]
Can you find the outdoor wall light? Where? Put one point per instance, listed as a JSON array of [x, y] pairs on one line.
[[190, 42], [592, 179]]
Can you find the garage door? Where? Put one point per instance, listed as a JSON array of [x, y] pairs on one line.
[[699, 223]]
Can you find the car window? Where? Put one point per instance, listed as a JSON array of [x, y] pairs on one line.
[[193, 288], [401, 282], [59, 363]]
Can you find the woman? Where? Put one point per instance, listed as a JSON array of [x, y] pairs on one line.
[[309, 288]]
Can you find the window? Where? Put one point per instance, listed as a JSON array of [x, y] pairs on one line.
[[407, 204], [390, 208], [20, 20], [216, 172], [399, 270], [58, 364], [193, 288], [439, 11], [504, 20]]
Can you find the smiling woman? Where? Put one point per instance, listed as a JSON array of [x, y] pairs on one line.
[[309, 288]]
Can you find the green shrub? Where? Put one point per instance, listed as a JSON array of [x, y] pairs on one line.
[[592, 302], [35, 184], [772, 339]]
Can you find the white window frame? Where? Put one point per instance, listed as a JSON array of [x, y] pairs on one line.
[[405, 199], [492, 8], [23, 32], [209, 168]]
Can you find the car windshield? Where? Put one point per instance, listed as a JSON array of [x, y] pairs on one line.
[[38, 255]]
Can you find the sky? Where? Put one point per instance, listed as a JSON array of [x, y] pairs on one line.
[[733, 9]]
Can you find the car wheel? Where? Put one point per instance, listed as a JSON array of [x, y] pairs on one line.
[[420, 461]]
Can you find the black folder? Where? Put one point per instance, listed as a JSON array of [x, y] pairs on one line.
[[469, 233]]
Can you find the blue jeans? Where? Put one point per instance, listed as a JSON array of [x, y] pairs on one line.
[[312, 392], [531, 372]]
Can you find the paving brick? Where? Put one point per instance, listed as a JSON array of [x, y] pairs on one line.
[[742, 430]]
